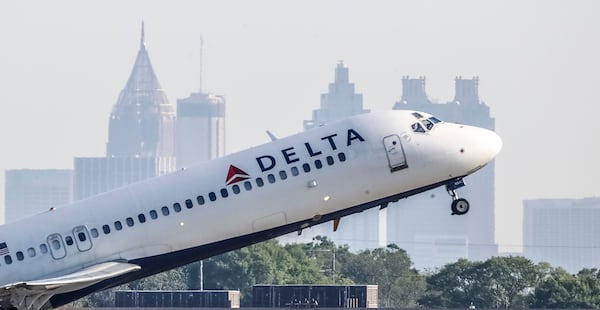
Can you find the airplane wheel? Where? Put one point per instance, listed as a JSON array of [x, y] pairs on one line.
[[460, 206]]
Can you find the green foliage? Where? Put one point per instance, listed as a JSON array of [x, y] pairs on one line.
[[389, 268], [263, 263], [560, 289], [499, 282]]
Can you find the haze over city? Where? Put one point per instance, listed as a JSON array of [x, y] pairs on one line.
[[63, 64]]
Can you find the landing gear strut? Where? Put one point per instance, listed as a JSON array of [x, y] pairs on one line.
[[459, 206]]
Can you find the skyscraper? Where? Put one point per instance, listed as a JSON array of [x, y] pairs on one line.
[[200, 128], [142, 120], [364, 230], [339, 102], [422, 224], [562, 232], [31, 191], [95, 175], [140, 139]]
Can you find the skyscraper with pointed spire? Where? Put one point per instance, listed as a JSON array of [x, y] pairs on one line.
[[142, 120], [140, 137]]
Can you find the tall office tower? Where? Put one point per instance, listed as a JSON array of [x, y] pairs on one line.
[[413, 91], [140, 139], [95, 175], [200, 128], [367, 229], [30, 191], [142, 120], [340, 102], [562, 232], [422, 224]]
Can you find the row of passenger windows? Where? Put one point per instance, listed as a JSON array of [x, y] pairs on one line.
[[176, 207], [224, 193], [43, 248]]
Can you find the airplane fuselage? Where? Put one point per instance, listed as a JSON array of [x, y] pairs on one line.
[[240, 199]]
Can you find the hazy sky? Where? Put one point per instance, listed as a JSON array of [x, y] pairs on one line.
[[63, 64]]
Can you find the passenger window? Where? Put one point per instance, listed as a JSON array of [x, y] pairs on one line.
[[177, 207], [271, 178], [248, 185], [55, 244], [106, 229], [189, 204], [295, 171], [282, 175], [260, 182], [306, 167], [153, 214], [224, 193], [318, 164], [81, 236], [342, 157], [43, 248], [165, 211], [142, 218], [235, 189], [69, 240], [94, 232], [200, 200], [330, 160], [8, 259], [212, 196], [129, 221], [118, 225], [20, 256], [31, 252]]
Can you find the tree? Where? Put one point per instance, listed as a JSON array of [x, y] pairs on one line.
[[499, 282], [391, 269], [561, 289], [263, 263], [456, 285], [330, 258], [506, 281]]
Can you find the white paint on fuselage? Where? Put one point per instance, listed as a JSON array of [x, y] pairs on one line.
[[447, 151]]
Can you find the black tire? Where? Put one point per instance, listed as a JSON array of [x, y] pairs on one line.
[[460, 206]]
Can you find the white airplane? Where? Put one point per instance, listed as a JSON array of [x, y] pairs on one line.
[[213, 207]]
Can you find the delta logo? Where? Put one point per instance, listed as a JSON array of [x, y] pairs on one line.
[[235, 175]]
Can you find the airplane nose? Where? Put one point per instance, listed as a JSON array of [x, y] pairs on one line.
[[493, 144]]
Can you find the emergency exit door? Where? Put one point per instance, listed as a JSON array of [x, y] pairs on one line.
[[395, 153]]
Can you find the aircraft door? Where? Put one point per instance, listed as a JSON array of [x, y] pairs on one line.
[[395, 153], [82, 238], [57, 247]]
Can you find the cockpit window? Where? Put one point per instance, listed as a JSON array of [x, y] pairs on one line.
[[417, 115], [428, 124], [435, 120], [416, 127]]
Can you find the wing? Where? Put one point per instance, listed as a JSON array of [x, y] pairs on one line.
[[34, 295]]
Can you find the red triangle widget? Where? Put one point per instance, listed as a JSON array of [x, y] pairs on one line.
[[235, 175]]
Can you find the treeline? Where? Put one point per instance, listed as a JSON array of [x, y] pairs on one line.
[[499, 282]]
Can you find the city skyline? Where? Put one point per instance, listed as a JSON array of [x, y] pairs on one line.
[[535, 69]]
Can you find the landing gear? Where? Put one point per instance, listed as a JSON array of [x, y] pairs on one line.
[[459, 206]]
